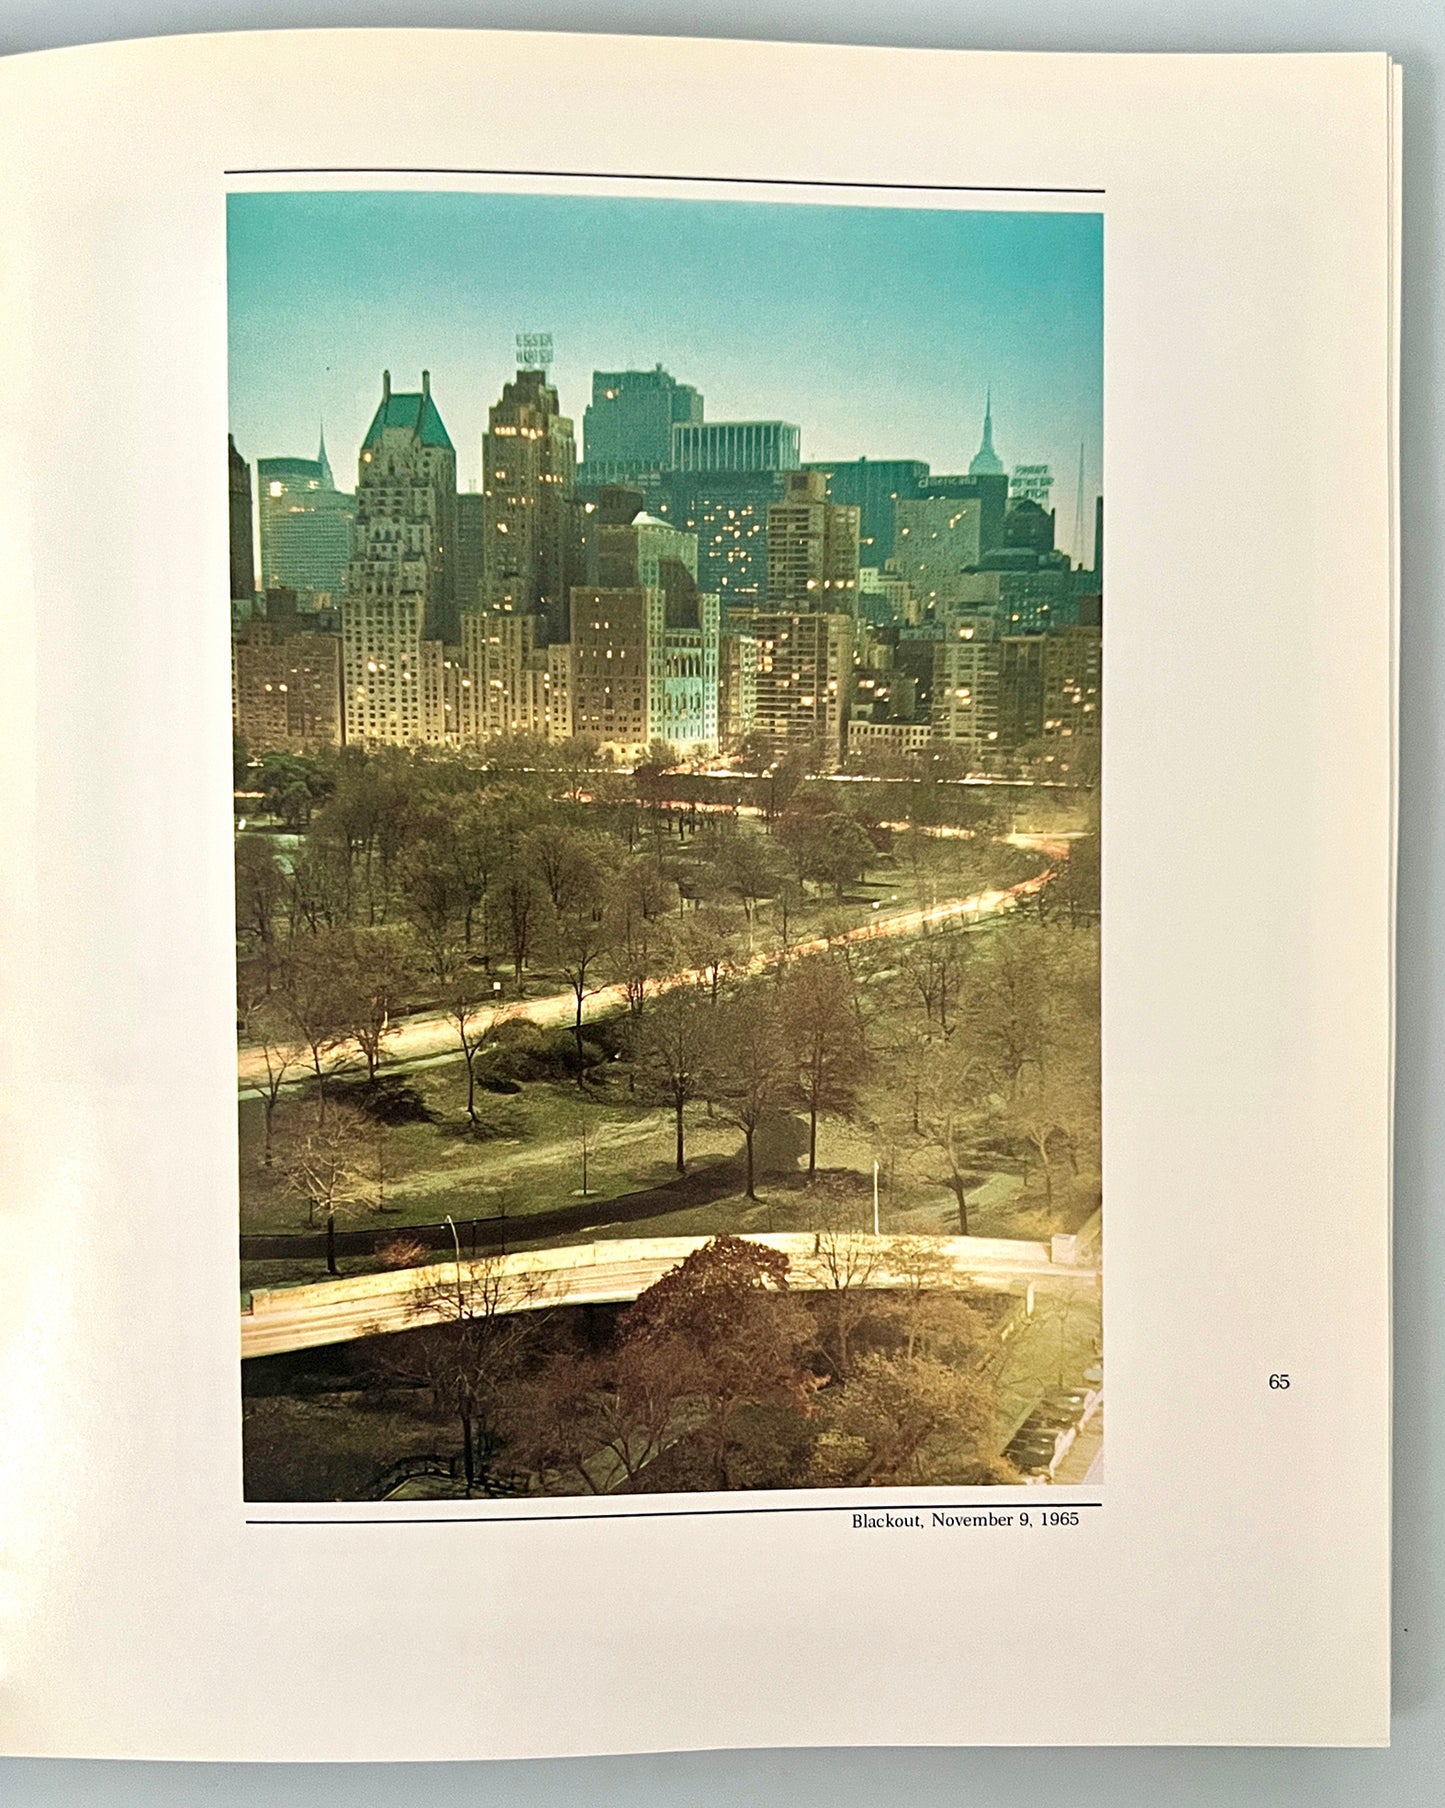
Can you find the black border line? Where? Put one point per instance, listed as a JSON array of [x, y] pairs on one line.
[[947, 1506], [407, 169]]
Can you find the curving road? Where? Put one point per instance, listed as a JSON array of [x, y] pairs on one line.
[[296, 1318], [431, 1034]]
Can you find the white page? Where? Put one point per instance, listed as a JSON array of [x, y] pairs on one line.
[[1232, 1584]]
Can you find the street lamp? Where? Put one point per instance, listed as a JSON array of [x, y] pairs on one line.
[[457, 1241]]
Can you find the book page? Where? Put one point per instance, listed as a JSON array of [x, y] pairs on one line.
[[720, 941]]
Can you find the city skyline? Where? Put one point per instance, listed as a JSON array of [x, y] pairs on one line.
[[861, 301]]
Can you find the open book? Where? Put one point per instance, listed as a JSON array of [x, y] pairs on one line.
[[689, 943]]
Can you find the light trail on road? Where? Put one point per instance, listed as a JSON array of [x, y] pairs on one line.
[[433, 1034]]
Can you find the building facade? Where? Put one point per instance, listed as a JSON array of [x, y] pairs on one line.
[[873, 486], [306, 525], [243, 557], [529, 468], [735, 446], [866, 736], [937, 540], [727, 512], [285, 688], [812, 549], [804, 661], [627, 426], [1073, 686], [690, 683], [398, 582], [471, 549], [619, 666], [737, 687], [964, 691]]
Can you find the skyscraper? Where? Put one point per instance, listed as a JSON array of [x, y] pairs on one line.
[[873, 486], [986, 462], [619, 666], [965, 684], [639, 556], [471, 549], [529, 467], [243, 558], [305, 526], [398, 580], [735, 446], [936, 541], [804, 661], [728, 512], [1073, 682], [627, 426], [812, 548]]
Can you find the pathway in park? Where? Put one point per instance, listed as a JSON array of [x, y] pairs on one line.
[[432, 1034]]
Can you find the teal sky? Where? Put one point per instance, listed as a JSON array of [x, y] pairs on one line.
[[876, 329]]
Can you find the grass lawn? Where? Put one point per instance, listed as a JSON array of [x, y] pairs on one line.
[[526, 1158]]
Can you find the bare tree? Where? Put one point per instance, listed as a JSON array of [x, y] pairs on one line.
[[374, 976], [269, 1034], [579, 935], [848, 1262], [671, 1054], [901, 1422], [313, 1001], [480, 1329], [821, 1033], [519, 897], [330, 1164], [747, 1067], [471, 1010]]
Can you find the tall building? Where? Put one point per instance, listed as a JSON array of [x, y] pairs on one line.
[[305, 526], [637, 548], [986, 462], [1073, 685], [936, 541], [285, 684], [471, 545], [529, 468], [619, 666], [873, 486], [1021, 664], [737, 702], [627, 426], [812, 548], [735, 446], [1028, 597], [727, 511], [398, 584], [638, 555], [804, 660], [243, 558], [508, 684], [1028, 526], [964, 695], [690, 674], [495, 649]]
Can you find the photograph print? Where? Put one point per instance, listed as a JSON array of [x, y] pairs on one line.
[[667, 696]]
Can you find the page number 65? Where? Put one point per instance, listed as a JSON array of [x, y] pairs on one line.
[[1279, 1381]]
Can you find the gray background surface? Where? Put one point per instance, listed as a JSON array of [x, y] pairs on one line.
[[1413, 1771]]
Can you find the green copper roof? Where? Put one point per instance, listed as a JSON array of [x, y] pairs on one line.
[[412, 410]]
